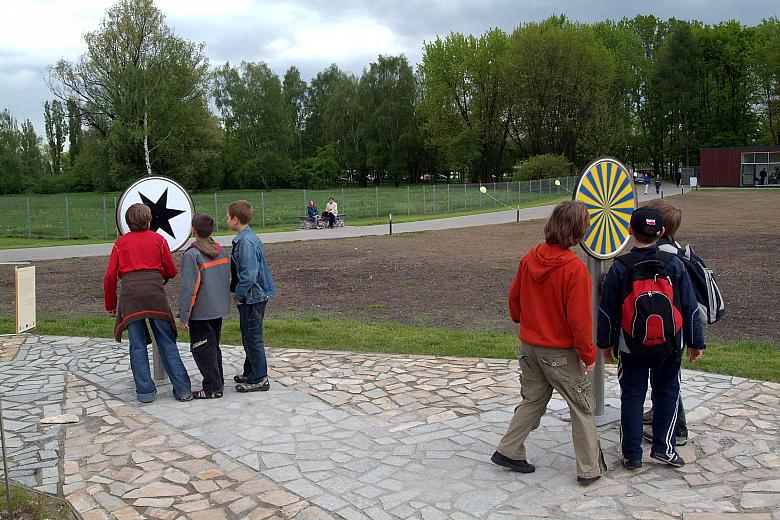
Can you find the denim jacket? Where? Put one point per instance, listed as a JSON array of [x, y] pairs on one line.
[[251, 280], [609, 333]]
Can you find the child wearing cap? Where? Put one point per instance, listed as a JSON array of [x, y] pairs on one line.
[[646, 227]]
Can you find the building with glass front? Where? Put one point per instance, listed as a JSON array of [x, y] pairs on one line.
[[745, 167]]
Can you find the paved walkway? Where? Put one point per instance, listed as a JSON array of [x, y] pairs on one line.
[[359, 436], [482, 219]]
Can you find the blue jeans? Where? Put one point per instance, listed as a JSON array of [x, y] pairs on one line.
[[251, 319], [664, 375], [169, 354]]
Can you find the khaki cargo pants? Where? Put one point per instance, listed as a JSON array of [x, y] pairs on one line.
[[542, 370]]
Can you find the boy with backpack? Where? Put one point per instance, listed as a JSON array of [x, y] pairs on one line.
[[708, 296], [648, 310]]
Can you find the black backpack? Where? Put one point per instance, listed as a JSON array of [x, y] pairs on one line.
[[651, 318], [708, 296]]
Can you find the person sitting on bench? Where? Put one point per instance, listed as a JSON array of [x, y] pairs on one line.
[[331, 212], [313, 214]]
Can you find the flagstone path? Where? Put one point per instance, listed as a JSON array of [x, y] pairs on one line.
[[359, 436]]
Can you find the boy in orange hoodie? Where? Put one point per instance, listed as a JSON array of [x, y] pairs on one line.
[[550, 299]]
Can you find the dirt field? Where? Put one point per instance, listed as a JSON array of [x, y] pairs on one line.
[[459, 278]]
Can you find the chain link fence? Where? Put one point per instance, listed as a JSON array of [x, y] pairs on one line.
[[93, 215]]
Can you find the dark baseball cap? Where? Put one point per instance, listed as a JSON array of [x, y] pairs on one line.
[[647, 221]]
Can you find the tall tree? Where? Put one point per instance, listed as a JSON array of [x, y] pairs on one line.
[[143, 89], [56, 134], [388, 89], [294, 94], [10, 161], [30, 152], [561, 75], [766, 64], [466, 100], [319, 92], [75, 132], [257, 136]]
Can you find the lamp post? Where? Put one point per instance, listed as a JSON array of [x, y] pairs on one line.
[[636, 176]]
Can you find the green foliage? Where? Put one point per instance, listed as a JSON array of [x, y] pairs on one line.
[[560, 79], [546, 166], [465, 101], [142, 90], [257, 136], [646, 90], [317, 172]]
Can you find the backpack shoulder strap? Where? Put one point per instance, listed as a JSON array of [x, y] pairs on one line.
[[628, 260]]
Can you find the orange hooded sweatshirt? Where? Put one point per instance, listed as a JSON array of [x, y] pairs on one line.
[[550, 299]]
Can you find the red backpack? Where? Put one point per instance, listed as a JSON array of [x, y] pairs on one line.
[[651, 307]]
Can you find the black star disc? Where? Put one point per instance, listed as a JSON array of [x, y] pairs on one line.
[[161, 215]]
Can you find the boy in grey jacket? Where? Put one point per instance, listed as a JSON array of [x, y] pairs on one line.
[[204, 301]]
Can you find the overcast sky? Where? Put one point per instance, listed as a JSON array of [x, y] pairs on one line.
[[310, 34]]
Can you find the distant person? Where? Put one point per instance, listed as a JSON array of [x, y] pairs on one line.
[[556, 346], [331, 212], [204, 301], [762, 176], [646, 178], [142, 261], [645, 296], [658, 183], [252, 287], [312, 212]]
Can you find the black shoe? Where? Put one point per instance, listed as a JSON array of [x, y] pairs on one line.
[[673, 460], [261, 386], [631, 463], [587, 481], [516, 465], [240, 379]]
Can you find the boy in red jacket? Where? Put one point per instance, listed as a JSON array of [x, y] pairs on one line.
[[141, 261], [550, 299]]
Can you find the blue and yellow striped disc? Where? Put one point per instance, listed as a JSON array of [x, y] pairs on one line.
[[607, 189]]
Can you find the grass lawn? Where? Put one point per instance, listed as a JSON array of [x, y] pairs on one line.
[[755, 360], [92, 215], [31, 505]]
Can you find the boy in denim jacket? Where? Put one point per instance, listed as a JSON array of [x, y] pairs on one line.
[[252, 287]]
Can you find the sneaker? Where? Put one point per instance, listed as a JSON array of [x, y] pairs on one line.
[[514, 464], [631, 464], [184, 399], [261, 386], [673, 459], [587, 481], [647, 417], [240, 379]]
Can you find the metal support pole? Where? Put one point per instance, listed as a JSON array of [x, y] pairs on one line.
[[597, 378], [424, 199], [67, 219], [262, 205], [465, 197], [391, 223], [105, 219], [377, 202], [29, 225], [5, 466], [494, 194], [408, 209], [159, 370], [216, 212], [434, 198], [117, 228], [448, 197]]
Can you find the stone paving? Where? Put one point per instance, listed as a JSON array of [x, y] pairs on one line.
[[359, 436]]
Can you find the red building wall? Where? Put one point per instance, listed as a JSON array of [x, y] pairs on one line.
[[722, 166]]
